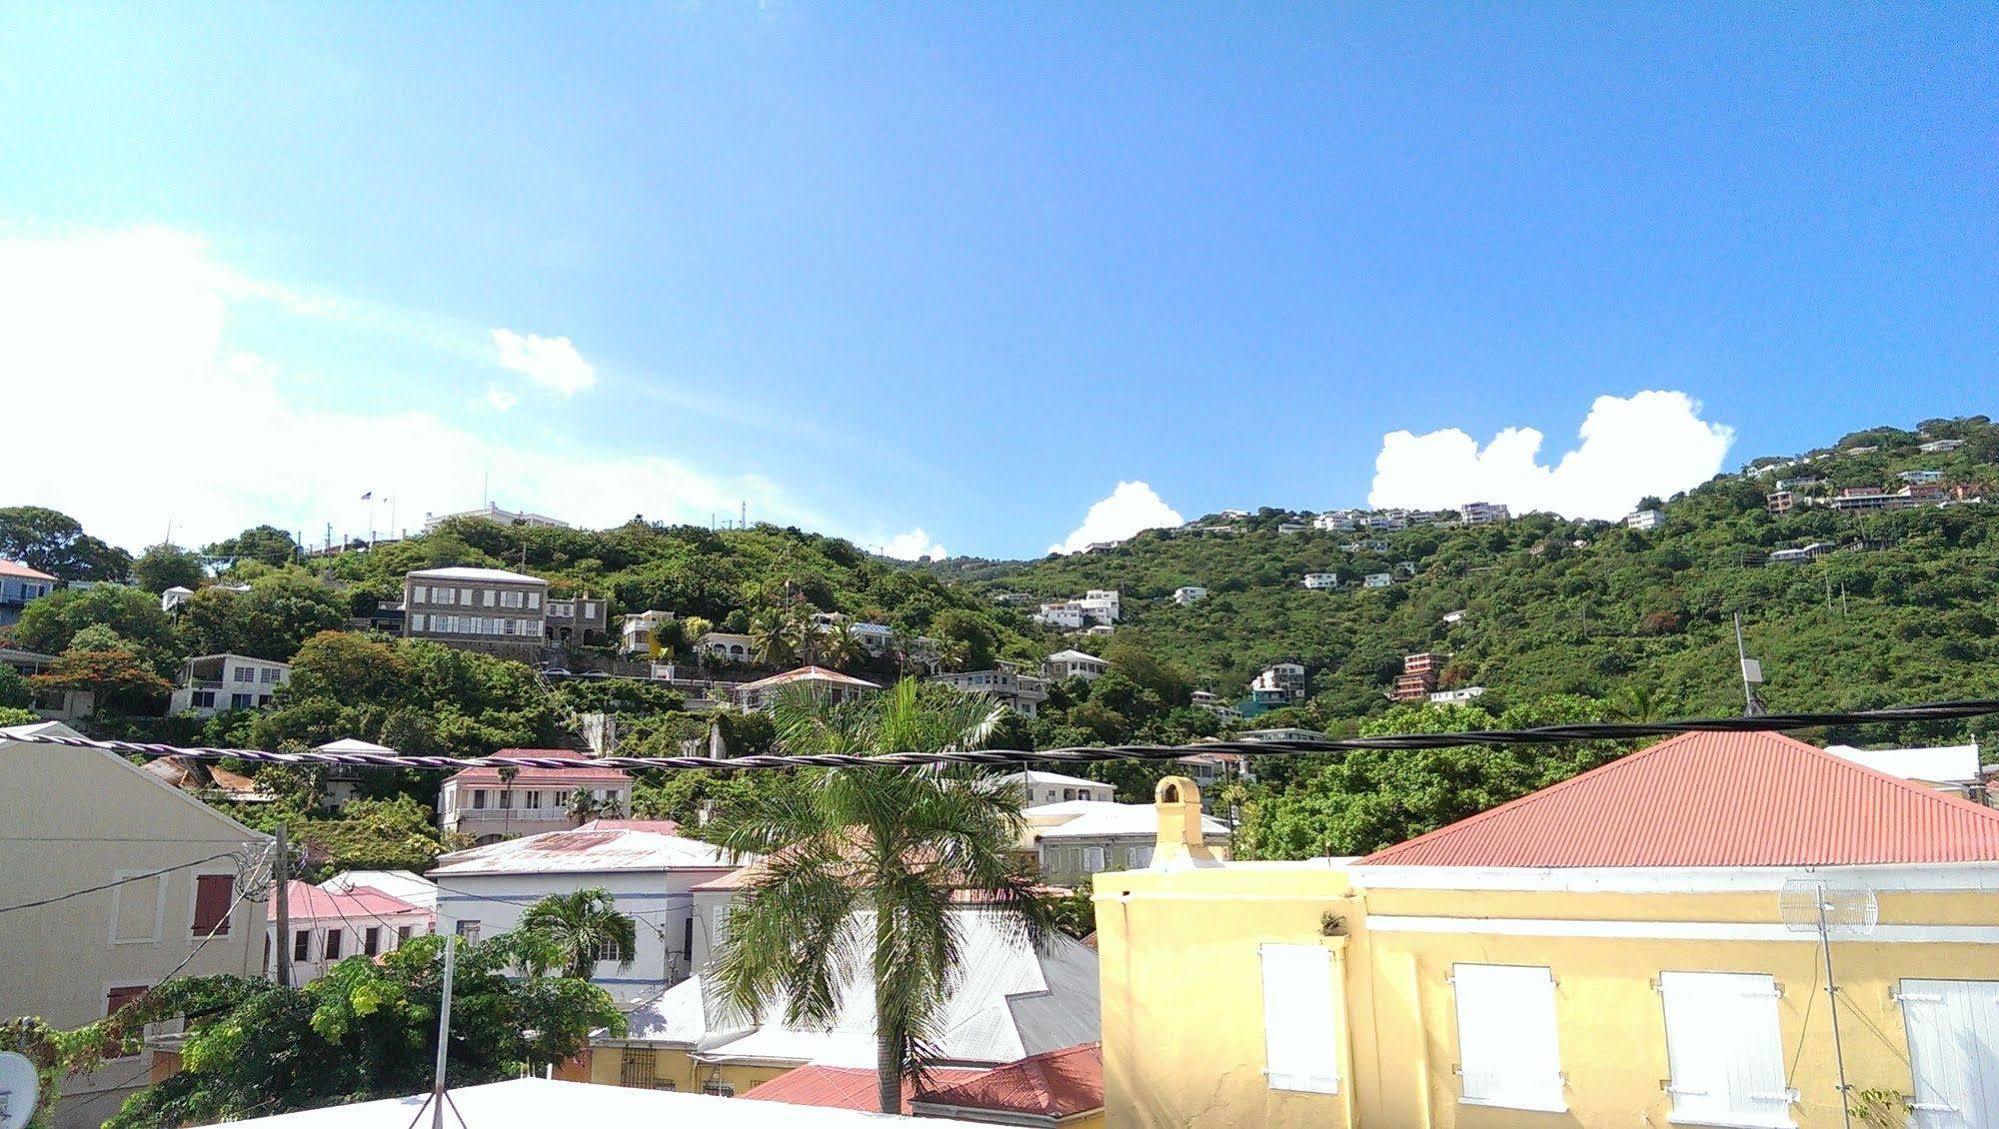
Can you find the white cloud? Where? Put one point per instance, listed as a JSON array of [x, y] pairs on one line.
[[1131, 508], [550, 362], [501, 400], [1652, 443], [168, 421], [914, 545]]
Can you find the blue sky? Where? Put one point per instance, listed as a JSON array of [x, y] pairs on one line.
[[961, 271]]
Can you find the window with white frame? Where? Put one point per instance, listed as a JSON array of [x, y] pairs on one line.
[[416, 622], [489, 594], [1300, 1019], [534, 600], [1725, 1049], [1508, 1054], [1093, 859], [419, 594]]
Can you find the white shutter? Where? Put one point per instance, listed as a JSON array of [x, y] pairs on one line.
[[1508, 1054], [1725, 1048], [1094, 860], [1300, 1023], [1953, 1051]]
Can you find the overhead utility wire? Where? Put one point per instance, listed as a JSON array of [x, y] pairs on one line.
[[108, 885], [1538, 735]]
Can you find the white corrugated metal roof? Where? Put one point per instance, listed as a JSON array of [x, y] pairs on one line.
[[1088, 819], [1937, 764], [1010, 1001], [1037, 777], [405, 885], [533, 1103], [578, 851], [495, 574]]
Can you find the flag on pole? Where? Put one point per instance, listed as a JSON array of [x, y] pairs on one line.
[[368, 495]]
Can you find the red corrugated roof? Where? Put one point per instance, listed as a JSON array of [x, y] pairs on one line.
[[1052, 1084], [842, 1087], [358, 905], [656, 826], [818, 673], [1716, 799], [529, 777], [16, 568]]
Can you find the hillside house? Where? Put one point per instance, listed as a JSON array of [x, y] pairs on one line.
[[1189, 593], [579, 621], [636, 631], [1484, 513], [1643, 520], [1279, 684], [19, 587], [727, 646], [818, 681], [480, 803], [478, 609], [1418, 677], [1037, 787], [1074, 664], [1075, 840], [1004, 683], [1378, 580], [497, 516], [1322, 580], [212, 684]]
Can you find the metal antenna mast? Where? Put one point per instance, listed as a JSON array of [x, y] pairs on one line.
[[1752, 673]]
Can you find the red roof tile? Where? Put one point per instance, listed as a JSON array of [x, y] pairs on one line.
[[584, 770], [1716, 799], [307, 901], [1051, 1084], [842, 1087], [16, 568]]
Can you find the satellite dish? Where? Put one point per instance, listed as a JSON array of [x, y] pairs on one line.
[[1829, 909], [20, 1085]]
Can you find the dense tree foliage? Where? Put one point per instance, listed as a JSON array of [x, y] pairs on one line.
[[55, 543], [266, 543], [162, 567], [366, 1030], [50, 624]]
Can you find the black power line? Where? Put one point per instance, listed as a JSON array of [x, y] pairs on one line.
[[1489, 738], [108, 885]]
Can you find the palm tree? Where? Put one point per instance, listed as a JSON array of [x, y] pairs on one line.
[[862, 869], [579, 925], [772, 637], [583, 807]]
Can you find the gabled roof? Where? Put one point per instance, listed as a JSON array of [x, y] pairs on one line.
[[1036, 776], [1054, 1084], [1072, 656], [1716, 799], [354, 745], [805, 674], [844, 1087], [529, 777], [17, 569]]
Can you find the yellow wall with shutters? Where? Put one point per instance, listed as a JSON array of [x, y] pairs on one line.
[[1182, 1012], [678, 1067]]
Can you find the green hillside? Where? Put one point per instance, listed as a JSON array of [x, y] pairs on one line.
[[1901, 611]]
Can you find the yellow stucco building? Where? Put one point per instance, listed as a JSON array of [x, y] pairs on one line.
[[1608, 951]]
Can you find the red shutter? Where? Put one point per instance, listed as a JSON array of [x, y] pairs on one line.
[[113, 1000], [213, 894]]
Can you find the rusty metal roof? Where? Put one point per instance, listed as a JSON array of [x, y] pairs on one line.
[[1716, 799], [573, 852], [529, 777]]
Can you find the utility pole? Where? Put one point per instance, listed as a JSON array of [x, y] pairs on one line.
[[743, 514], [437, 1094], [279, 879]]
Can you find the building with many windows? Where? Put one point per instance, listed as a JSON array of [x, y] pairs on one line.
[[1484, 513], [1322, 580], [1280, 684], [1037, 787], [480, 609], [635, 631], [495, 515], [1611, 950], [483, 804], [329, 925], [1024, 693], [580, 620], [212, 684]]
